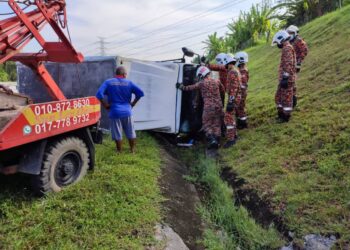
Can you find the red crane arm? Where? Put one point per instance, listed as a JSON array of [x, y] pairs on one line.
[[16, 32]]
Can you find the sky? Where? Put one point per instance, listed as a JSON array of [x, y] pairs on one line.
[[144, 29]]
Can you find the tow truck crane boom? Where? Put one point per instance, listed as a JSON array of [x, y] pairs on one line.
[[16, 32]]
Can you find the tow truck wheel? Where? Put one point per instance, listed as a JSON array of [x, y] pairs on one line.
[[65, 163]]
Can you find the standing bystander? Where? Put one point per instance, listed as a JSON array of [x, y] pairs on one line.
[[119, 92]]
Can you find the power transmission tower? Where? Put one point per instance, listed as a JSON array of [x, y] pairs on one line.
[[102, 48]]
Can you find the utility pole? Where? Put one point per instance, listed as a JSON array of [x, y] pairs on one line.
[[103, 48]]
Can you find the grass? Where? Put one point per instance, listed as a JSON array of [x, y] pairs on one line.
[[115, 207], [229, 227], [302, 167]]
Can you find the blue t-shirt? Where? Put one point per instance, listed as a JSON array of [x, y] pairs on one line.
[[119, 92]]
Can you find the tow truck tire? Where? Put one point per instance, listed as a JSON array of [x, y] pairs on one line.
[[65, 162]]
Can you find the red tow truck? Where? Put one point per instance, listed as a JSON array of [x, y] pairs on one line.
[[51, 142]]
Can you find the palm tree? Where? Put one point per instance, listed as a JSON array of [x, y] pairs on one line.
[[215, 45]]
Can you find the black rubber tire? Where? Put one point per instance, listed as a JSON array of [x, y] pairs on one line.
[[72, 147]]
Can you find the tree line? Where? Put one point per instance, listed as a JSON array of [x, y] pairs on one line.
[[8, 72], [262, 20]]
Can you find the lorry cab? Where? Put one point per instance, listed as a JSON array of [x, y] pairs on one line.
[[163, 108]]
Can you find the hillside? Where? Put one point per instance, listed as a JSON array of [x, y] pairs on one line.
[[302, 167]]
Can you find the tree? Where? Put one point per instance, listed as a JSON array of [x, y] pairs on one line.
[[215, 45], [303, 11]]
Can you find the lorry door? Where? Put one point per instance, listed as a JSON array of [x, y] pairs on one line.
[[189, 113]]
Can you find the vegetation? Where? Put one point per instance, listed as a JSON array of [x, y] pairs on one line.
[[302, 11], [248, 30], [8, 72], [302, 167], [257, 25], [231, 227], [115, 207]]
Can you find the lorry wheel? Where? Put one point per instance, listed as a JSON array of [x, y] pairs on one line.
[[65, 163]]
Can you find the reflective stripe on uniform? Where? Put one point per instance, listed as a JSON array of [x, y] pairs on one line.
[[288, 109], [230, 127], [243, 118]]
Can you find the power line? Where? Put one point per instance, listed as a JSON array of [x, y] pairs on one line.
[[180, 40], [157, 18], [88, 45], [170, 51], [174, 36], [176, 24]]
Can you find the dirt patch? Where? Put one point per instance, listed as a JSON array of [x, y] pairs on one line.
[[258, 208], [182, 201]]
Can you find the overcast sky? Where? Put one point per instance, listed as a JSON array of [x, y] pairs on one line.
[[145, 29]]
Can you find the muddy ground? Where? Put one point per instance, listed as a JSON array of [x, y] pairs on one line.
[[181, 202]]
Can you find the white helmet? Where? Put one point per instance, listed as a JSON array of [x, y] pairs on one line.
[[280, 37], [220, 58], [230, 58], [202, 72], [293, 29], [242, 57]]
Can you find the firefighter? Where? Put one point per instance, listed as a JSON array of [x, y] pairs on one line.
[[242, 60], [287, 75], [220, 67], [301, 51], [6, 89], [234, 98], [212, 112]]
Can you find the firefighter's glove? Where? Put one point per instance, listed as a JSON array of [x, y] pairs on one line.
[[284, 81], [179, 86], [298, 67]]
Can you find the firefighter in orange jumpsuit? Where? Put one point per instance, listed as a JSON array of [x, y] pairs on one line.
[[213, 110], [287, 75], [234, 98], [220, 67], [301, 50], [242, 60]]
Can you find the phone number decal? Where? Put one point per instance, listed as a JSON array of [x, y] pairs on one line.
[[60, 124], [61, 106]]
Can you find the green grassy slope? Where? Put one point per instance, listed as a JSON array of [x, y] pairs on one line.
[[303, 166], [115, 207]]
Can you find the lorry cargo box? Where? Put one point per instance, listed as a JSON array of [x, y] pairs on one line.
[[162, 109]]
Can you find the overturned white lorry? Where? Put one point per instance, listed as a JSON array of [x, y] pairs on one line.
[[164, 108]]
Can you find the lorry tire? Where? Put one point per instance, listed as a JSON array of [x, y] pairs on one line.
[[65, 162]]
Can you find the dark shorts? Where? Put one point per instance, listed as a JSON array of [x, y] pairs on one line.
[[123, 124]]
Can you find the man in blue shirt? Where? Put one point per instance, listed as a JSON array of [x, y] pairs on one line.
[[119, 92]]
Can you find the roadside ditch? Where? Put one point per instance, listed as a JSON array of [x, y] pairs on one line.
[[237, 217]]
